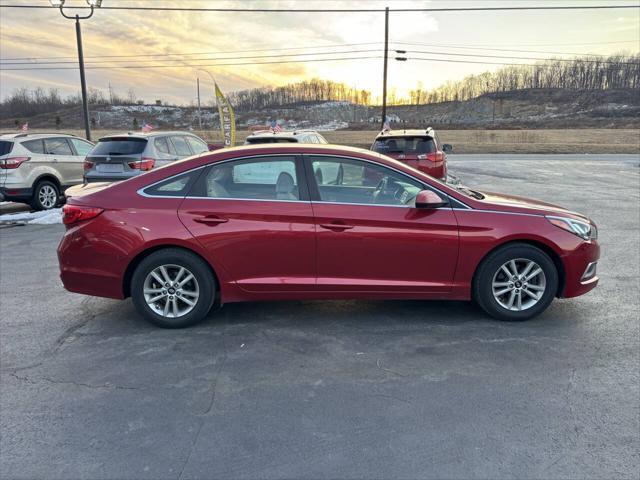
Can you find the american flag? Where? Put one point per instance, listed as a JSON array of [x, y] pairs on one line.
[[275, 127], [146, 127], [25, 127]]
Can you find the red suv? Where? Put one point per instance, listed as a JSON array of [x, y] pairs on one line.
[[420, 149], [260, 223]]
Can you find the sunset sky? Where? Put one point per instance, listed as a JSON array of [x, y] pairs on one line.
[[39, 33]]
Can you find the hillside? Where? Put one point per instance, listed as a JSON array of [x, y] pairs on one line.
[[532, 108]]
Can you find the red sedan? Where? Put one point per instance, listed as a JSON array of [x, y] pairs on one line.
[[283, 222]]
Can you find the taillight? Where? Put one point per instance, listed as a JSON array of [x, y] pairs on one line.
[[87, 165], [12, 162], [144, 165], [77, 213], [432, 157]]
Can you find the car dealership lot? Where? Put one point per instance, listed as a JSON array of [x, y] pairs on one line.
[[347, 389]]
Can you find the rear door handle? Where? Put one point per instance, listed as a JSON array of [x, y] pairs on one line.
[[210, 220], [336, 227]]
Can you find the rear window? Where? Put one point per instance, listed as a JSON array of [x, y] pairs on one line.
[[119, 146], [175, 186], [34, 146], [406, 145], [5, 147], [271, 140]]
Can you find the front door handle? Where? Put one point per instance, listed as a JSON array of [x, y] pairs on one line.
[[211, 220], [336, 227]]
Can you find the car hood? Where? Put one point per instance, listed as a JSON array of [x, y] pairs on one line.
[[516, 204]]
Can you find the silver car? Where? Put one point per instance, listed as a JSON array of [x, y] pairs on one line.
[[118, 157], [36, 168], [294, 136]]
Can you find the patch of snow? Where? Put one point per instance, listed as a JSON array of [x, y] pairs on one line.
[[45, 217]]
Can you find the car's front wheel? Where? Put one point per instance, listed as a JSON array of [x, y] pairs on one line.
[[173, 288], [45, 196], [516, 282]]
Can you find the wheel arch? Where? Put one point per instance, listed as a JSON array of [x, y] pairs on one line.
[[133, 264], [48, 176], [550, 251]]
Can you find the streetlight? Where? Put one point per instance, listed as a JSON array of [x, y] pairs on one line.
[[83, 84]]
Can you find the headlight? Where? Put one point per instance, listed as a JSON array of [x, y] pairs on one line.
[[584, 230]]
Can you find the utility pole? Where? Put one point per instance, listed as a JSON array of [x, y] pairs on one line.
[[199, 113], [110, 95], [386, 58], [83, 82]]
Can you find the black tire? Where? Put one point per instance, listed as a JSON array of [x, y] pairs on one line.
[[173, 256], [40, 201], [482, 289]]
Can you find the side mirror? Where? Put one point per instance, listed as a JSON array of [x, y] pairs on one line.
[[447, 147], [429, 199]]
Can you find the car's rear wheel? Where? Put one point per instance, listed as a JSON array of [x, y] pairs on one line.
[[516, 282], [45, 196], [173, 288]]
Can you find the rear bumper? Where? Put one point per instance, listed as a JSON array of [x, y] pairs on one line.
[[9, 194], [89, 265], [580, 274]]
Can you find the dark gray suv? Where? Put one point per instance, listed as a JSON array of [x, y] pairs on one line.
[[118, 157]]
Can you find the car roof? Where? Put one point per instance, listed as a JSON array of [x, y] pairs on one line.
[[303, 148], [143, 135], [428, 132], [286, 134], [32, 136]]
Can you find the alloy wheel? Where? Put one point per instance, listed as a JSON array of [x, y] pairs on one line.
[[518, 284], [171, 291], [47, 196]]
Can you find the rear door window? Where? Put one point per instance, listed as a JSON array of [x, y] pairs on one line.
[[197, 145], [34, 146], [164, 146], [119, 146], [272, 178], [406, 145], [181, 146], [57, 146]]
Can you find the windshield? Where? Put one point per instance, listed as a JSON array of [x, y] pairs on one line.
[[406, 145], [119, 146]]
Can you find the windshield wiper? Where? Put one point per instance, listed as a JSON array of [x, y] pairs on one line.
[[471, 193]]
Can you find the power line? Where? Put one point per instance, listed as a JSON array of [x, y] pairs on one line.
[[433, 45], [336, 10], [448, 60], [347, 52], [2, 63], [465, 47], [583, 60], [198, 65], [199, 53]]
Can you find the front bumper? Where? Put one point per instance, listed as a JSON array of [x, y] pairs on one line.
[[581, 269]]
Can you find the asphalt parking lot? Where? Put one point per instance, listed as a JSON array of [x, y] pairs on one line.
[[343, 389]]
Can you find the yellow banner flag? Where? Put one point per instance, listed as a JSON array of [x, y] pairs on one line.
[[227, 119]]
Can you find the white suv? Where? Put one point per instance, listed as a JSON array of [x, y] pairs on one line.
[[37, 168]]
